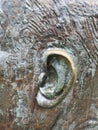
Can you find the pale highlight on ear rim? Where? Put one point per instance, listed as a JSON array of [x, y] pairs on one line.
[[63, 53]]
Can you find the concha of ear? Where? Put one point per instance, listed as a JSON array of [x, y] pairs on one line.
[[58, 78]]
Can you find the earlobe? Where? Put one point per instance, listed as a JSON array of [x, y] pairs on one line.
[[59, 78]]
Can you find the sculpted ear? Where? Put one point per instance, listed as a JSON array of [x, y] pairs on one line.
[[58, 79]]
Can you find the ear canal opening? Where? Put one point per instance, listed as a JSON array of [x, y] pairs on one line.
[[60, 76], [50, 76]]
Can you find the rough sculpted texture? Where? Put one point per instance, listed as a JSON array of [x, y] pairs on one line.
[[48, 65]]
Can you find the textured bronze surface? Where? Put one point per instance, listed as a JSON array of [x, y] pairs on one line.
[[48, 48]]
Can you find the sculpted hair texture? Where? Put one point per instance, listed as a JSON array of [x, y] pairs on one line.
[[61, 19]]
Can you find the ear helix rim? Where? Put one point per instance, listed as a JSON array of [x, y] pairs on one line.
[[55, 51]]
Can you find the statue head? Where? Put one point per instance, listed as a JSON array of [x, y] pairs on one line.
[[48, 64]]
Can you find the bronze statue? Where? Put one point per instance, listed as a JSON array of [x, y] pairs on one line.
[[48, 65]]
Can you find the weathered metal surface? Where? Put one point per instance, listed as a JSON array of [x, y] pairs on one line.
[[48, 65]]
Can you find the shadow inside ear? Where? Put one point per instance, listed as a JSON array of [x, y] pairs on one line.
[[60, 76]]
